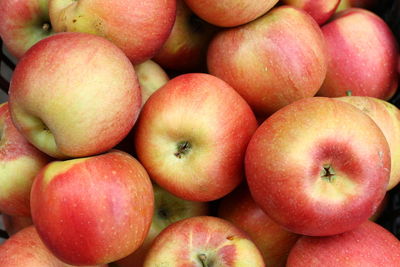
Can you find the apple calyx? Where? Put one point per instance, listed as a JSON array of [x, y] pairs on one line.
[[183, 148], [328, 173], [203, 260]]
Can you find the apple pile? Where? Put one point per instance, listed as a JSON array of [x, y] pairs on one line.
[[198, 133]]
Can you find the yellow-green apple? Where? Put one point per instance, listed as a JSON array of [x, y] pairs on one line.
[[151, 77], [192, 134], [186, 46], [282, 56], [167, 210], [387, 117], [318, 166], [362, 56], [13, 224], [19, 164], [368, 245], [203, 241], [320, 10], [74, 95], [138, 27], [25, 249], [272, 240], [93, 210], [23, 23], [344, 4], [230, 13]]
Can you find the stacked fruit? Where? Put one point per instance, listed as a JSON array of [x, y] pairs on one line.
[[273, 144]]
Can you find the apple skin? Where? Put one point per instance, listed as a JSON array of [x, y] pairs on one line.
[[138, 27], [282, 55], [53, 89], [362, 53], [93, 210], [167, 210], [217, 241], [151, 77], [387, 117], [26, 249], [192, 135], [320, 10], [13, 224], [230, 13], [308, 168], [20, 162], [273, 241], [368, 245], [186, 47], [23, 23]]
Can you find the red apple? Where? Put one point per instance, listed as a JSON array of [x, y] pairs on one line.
[[138, 27], [272, 61], [203, 241], [367, 245], [23, 23], [167, 210], [186, 47], [192, 135], [13, 224], [272, 240], [20, 162], [74, 95], [362, 56], [230, 13], [320, 10], [318, 166], [387, 117], [25, 249], [93, 210]]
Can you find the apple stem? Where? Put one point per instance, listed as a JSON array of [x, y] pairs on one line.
[[328, 173], [349, 93], [203, 259], [183, 148]]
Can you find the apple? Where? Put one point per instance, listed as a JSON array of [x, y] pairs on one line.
[[362, 56], [273, 241], [230, 13], [20, 162], [186, 47], [381, 209], [320, 10], [387, 117], [203, 241], [272, 61], [26, 249], [368, 245], [13, 224], [192, 135], [151, 77], [74, 95], [23, 23], [318, 166], [138, 27], [93, 210], [167, 210]]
